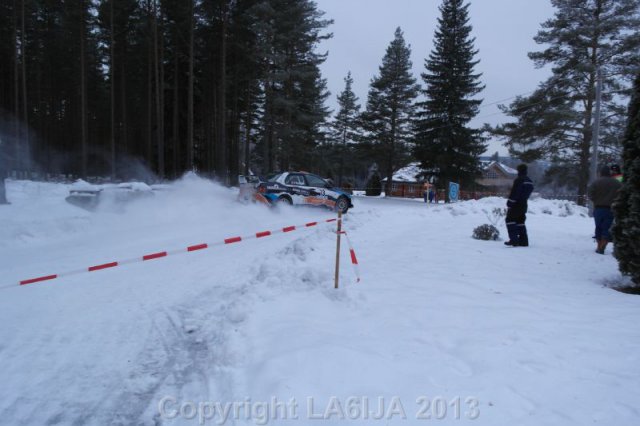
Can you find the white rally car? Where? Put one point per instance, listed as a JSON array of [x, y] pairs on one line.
[[301, 188]]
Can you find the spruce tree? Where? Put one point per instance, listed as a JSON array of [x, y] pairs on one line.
[[444, 144], [7, 57], [626, 229], [345, 126], [7, 66], [555, 122], [294, 90], [373, 186], [387, 120], [176, 84]]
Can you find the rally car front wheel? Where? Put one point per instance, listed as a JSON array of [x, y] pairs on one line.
[[284, 201], [342, 205]]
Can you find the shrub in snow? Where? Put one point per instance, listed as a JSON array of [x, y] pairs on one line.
[[486, 232]]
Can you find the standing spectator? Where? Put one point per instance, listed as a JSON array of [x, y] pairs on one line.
[[602, 192], [426, 191], [616, 173], [517, 209]]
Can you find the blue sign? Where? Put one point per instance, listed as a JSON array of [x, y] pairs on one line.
[[454, 190]]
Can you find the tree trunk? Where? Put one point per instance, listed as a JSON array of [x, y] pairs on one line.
[[190, 164], [268, 144], [124, 141], [342, 154], [285, 148], [176, 113], [25, 110], [247, 134], [585, 156], [266, 138], [221, 143], [83, 95], [159, 78], [149, 147], [389, 182], [112, 92], [587, 134], [212, 126], [234, 160], [391, 154], [150, 106], [16, 86]]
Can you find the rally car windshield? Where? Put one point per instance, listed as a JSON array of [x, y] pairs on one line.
[[316, 181], [273, 177]]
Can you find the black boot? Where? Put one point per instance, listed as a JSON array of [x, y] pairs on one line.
[[523, 238], [512, 229]]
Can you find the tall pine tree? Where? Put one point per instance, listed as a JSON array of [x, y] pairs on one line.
[[294, 90], [387, 120], [555, 122], [445, 145], [246, 71], [345, 126], [626, 229], [99, 86]]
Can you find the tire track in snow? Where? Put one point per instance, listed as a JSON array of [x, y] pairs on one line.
[[182, 358]]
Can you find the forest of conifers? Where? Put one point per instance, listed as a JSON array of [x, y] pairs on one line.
[[96, 87], [110, 88]]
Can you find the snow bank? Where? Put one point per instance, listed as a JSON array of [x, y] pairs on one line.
[[515, 336]]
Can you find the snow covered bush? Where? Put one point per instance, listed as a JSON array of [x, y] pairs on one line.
[[489, 232], [486, 232]]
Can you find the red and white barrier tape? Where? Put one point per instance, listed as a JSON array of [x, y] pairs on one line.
[[158, 255], [354, 259]]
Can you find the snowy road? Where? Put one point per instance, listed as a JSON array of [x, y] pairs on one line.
[[441, 325]]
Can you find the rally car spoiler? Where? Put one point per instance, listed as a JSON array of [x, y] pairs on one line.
[[248, 179], [247, 184]]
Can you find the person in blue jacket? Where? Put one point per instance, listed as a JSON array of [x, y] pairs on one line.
[[517, 209]]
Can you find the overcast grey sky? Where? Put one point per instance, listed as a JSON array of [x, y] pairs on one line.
[[504, 31]]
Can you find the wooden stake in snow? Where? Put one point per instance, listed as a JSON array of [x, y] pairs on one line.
[[338, 248]]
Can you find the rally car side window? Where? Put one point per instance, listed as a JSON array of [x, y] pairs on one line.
[[315, 181], [294, 180]]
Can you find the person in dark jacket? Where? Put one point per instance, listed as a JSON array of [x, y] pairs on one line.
[[517, 209], [602, 192]]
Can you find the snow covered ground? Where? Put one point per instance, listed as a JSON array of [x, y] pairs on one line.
[[442, 329]]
